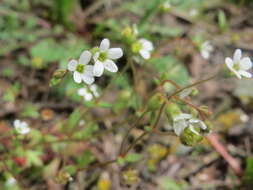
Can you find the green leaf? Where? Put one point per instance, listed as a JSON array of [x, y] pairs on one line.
[[87, 132], [85, 159], [248, 175], [71, 169], [169, 184], [171, 68], [47, 50], [105, 105], [11, 93], [34, 158], [74, 119], [30, 110], [222, 20], [133, 157]]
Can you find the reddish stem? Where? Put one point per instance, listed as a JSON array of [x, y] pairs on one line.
[[213, 138]]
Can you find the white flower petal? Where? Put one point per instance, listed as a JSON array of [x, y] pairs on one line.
[[72, 65], [145, 54], [85, 57], [245, 63], [96, 56], [98, 69], [229, 62], [77, 77], [89, 70], [82, 91], [183, 116], [16, 123], [110, 66], [245, 74], [237, 55], [23, 124], [202, 125], [193, 130], [236, 73], [115, 53], [179, 126], [147, 45], [104, 45], [205, 54], [88, 97], [88, 79]]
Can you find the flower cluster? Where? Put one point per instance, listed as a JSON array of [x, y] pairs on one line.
[[103, 58]]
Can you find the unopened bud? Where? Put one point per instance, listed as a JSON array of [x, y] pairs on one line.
[[172, 110], [155, 102], [130, 176], [58, 75], [191, 136], [63, 177]]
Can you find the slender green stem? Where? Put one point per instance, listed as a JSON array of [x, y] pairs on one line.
[[130, 129], [134, 143], [100, 164], [159, 116], [190, 86]]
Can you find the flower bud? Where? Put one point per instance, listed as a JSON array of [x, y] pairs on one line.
[[165, 7], [172, 110], [205, 110], [155, 102], [63, 177], [191, 136], [130, 176], [58, 75], [130, 33]]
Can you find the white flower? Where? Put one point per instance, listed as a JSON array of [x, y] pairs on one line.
[[184, 120], [239, 65], [11, 181], [104, 57], [166, 5], [87, 95], [143, 47], [82, 71], [21, 127], [206, 49], [193, 12]]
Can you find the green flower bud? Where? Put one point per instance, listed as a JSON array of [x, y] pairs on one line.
[[205, 110], [165, 7], [130, 33], [172, 110], [155, 102], [191, 136], [63, 177], [130, 177], [58, 75]]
